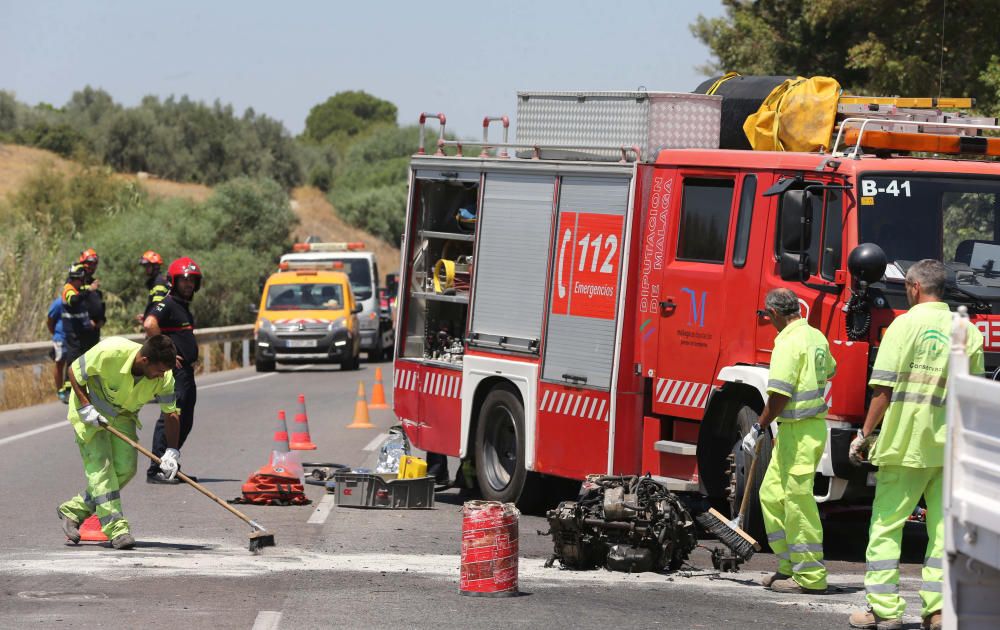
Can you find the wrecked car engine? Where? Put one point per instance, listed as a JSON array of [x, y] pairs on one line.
[[629, 524]]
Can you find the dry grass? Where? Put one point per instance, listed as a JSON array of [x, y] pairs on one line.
[[167, 189], [318, 218], [18, 164], [26, 386]]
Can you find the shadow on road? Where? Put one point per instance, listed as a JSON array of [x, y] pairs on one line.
[[169, 546], [847, 539], [204, 480]]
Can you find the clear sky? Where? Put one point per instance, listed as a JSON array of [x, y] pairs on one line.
[[464, 58]]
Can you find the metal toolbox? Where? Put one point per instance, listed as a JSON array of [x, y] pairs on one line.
[[649, 120], [369, 490]]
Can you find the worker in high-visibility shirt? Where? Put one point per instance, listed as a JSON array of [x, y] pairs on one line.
[[801, 365], [111, 382], [909, 379]]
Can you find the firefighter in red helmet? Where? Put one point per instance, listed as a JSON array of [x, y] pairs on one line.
[[172, 317]]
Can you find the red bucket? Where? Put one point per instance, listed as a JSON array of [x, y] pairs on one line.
[[489, 549]]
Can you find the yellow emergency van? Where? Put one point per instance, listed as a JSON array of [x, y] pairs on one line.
[[308, 314]]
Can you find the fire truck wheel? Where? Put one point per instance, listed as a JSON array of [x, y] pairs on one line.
[[753, 520], [500, 467]]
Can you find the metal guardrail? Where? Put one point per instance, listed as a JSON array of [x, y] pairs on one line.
[[17, 354]]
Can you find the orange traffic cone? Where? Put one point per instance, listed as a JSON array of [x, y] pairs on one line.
[[280, 437], [361, 411], [281, 434], [378, 393], [300, 440], [90, 530]]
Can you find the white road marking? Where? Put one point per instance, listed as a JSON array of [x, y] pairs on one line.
[[47, 427], [322, 510], [267, 620], [239, 380], [376, 442], [297, 368]]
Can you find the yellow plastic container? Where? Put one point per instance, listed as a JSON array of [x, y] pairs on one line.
[[412, 467]]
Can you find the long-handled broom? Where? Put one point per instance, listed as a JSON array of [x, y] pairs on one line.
[[729, 533], [259, 537]]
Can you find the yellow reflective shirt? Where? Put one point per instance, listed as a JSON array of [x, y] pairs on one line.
[[105, 372], [801, 364], [913, 361]]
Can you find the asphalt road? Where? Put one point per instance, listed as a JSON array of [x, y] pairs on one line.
[[334, 567]]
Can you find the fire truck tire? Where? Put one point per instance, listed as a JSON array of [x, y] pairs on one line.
[[753, 520], [499, 448]]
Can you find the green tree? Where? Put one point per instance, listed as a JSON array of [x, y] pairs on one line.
[[872, 47], [345, 115]]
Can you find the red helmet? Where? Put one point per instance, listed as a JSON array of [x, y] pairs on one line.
[[88, 255], [149, 257], [184, 268]]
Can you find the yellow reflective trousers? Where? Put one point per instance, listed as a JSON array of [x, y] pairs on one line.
[[897, 492], [791, 516]]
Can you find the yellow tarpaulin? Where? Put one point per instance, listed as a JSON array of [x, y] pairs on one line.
[[798, 115]]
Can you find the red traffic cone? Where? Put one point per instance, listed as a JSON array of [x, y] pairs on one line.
[[301, 441], [378, 392], [90, 530]]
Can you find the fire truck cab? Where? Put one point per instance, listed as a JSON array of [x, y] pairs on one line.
[[564, 312]]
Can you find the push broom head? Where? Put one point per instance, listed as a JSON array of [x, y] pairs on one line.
[[739, 542], [260, 538]]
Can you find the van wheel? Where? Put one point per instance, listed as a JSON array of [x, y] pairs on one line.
[[500, 442], [753, 519], [263, 365], [351, 363]]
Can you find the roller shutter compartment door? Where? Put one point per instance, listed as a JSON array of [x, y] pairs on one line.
[[514, 230], [580, 338]]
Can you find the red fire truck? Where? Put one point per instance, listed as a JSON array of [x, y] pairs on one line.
[[574, 309]]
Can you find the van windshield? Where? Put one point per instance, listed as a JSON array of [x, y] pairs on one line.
[[313, 297], [360, 274]]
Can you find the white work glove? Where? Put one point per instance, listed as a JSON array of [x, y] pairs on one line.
[[861, 446], [91, 416], [170, 463], [750, 439]]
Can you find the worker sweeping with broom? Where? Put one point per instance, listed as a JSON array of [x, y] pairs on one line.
[[110, 384], [801, 364]]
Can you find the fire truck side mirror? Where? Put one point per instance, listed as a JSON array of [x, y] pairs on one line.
[[795, 236], [796, 220], [790, 266]]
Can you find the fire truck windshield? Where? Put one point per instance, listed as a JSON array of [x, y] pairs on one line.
[[953, 219]]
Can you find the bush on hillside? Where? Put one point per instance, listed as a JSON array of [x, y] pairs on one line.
[[380, 211], [369, 189], [235, 236]]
